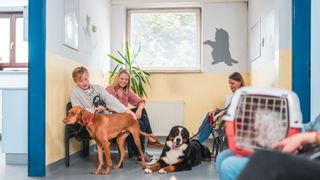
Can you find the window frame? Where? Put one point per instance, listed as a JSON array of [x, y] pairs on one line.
[[173, 69], [12, 61]]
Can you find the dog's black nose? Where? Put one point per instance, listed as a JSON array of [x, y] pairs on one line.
[[178, 140]]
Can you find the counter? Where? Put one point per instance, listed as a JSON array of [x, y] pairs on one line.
[[14, 92]]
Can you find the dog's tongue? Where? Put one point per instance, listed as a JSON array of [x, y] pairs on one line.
[[174, 146]]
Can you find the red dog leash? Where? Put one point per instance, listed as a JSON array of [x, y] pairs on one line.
[[209, 120], [89, 119]]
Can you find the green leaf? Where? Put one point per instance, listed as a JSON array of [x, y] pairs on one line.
[[122, 56], [144, 93], [114, 71], [115, 59], [139, 77], [136, 53], [127, 53], [145, 72]]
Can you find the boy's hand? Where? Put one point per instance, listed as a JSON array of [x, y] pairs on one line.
[[100, 109]]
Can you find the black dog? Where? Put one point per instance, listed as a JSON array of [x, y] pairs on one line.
[[179, 153]]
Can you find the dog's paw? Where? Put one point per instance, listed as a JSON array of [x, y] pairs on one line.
[[147, 171], [162, 171], [184, 146]]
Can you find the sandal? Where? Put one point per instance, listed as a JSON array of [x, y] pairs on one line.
[[156, 144]]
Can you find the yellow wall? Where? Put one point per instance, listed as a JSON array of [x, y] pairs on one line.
[[199, 91], [58, 87], [285, 69], [273, 73], [266, 75]]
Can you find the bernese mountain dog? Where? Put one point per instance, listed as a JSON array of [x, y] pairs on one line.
[[179, 153]]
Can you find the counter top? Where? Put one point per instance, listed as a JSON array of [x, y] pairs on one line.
[[13, 72]]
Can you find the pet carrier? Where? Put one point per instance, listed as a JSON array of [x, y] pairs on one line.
[[258, 117]]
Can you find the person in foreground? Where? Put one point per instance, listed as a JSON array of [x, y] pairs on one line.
[[271, 165], [229, 166]]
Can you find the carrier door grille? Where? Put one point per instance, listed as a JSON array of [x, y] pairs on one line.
[[261, 120]]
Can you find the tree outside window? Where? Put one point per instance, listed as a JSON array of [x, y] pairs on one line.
[[169, 38], [13, 48]]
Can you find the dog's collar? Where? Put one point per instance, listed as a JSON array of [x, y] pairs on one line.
[[89, 119]]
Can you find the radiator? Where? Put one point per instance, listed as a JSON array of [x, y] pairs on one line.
[[163, 115]]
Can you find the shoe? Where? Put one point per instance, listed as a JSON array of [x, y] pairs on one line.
[[148, 158], [156, 144], [152, 162]]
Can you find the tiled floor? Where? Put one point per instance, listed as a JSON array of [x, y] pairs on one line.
[[80, 169]]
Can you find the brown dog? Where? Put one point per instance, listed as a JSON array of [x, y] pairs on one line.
[[104, 127]]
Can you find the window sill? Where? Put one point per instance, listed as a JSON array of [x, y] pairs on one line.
[[14, 70]]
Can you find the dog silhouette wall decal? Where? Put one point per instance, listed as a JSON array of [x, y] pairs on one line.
[[220, 48]]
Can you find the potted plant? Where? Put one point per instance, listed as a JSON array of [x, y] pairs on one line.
[[126, 60]]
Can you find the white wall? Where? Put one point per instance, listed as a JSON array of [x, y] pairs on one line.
[[284, 16], [263, 11], [93, 47], [118, 28], [315, 56], [231, 16], [275, 19]]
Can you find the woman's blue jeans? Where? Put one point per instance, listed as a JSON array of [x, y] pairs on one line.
[[229, 166], [204, 131]]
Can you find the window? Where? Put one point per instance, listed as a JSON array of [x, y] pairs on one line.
[[169, 38], [13, 48]]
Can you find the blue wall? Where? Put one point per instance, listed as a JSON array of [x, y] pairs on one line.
[[301, 54], [37, 89]]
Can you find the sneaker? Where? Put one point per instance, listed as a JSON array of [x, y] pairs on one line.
[[148, 158], [152, 162], [157, 144]]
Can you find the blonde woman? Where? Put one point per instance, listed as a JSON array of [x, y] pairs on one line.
[[120, 89]]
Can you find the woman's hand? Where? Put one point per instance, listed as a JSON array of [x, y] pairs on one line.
[[139, 113], [139, 109], [294, 143], [100, 109], [212, 111], [132, 114]]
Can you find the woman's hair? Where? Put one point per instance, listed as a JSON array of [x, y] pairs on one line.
[[237, 77], [78, 73], [115, 83]]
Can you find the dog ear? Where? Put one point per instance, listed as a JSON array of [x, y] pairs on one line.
[[188, 141], [187, 132], [187, 135], [82, 115], [167, 139], [171, 132]]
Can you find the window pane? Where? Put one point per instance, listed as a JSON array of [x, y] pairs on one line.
[[5, 40], [21, 45], [168, 39]]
